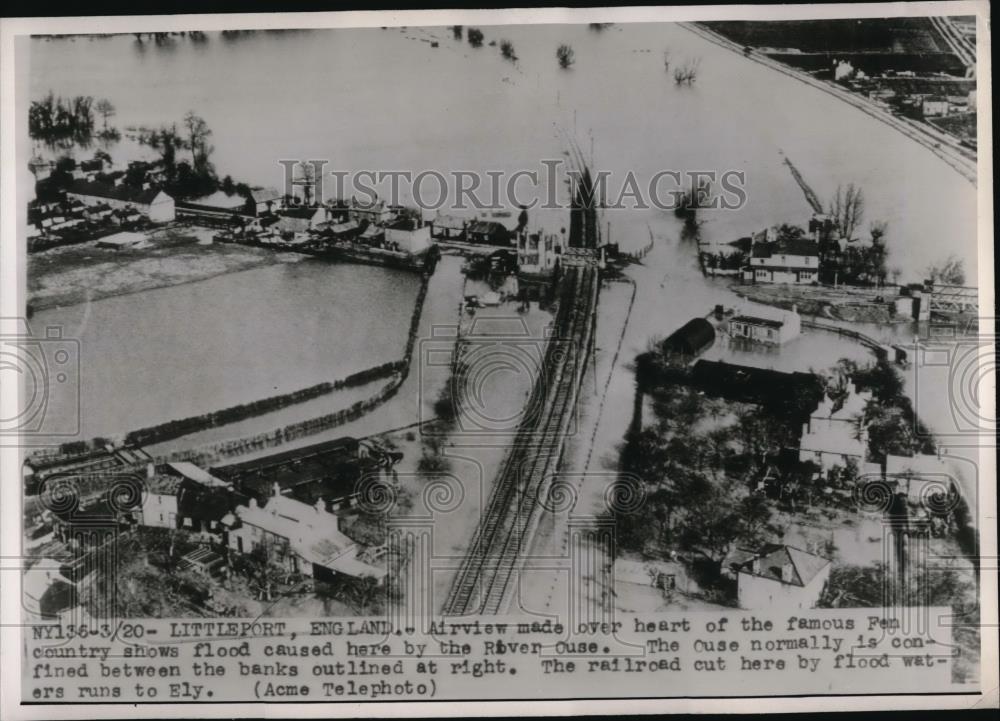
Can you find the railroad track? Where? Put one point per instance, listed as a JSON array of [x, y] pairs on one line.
[[505, 530]]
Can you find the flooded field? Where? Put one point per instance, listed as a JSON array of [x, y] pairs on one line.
[[187, 349], [482, 113]]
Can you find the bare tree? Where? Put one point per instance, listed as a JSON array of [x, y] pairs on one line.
[[198, 134], [106, 109], [949, 272], [848, 208], [687, 72]]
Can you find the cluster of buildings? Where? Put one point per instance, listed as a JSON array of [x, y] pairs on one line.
[[834, 434], [99, 199], [106, 202], [283, 509]]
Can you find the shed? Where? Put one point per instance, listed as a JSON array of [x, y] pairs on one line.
[[690, 339]]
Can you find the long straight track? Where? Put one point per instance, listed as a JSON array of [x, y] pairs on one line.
[[504, 534]]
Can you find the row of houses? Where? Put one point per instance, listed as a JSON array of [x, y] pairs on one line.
[[281, 508]]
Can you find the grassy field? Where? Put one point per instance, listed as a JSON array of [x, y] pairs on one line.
[[176, 254]]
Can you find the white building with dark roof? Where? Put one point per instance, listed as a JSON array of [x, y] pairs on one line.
[[408, 236], [790, 260], [770, 327], [265, 200], [304, 539], [779, 577], [150, 202]]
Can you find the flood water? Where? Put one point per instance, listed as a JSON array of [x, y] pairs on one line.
[[453, 108], [178, 351]]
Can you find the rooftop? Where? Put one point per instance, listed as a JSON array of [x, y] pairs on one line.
[[116, 192], [264, 195], [194, 473], [786, 246], [774, 557], [311, 530], [754, 320]]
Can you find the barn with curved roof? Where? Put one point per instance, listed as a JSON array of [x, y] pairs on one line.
[[691, 339]]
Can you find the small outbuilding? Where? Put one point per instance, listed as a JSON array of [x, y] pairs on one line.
[[691, 339]]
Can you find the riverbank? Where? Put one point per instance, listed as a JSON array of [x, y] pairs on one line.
[[176, 254], [945, 147]]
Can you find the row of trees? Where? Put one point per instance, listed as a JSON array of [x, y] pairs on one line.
[[185, 178], [53, 119]]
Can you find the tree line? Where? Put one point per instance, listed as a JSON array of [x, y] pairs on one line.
[[53, 119]]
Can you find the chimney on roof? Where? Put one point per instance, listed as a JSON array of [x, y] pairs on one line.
[[756, 565], [150, 470], [320, 505], [276, 489], [787, 572]]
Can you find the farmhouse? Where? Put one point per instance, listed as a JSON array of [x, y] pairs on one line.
[[788, 260], [152, 203], [778, 577], [302, 538], [777, 329]]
